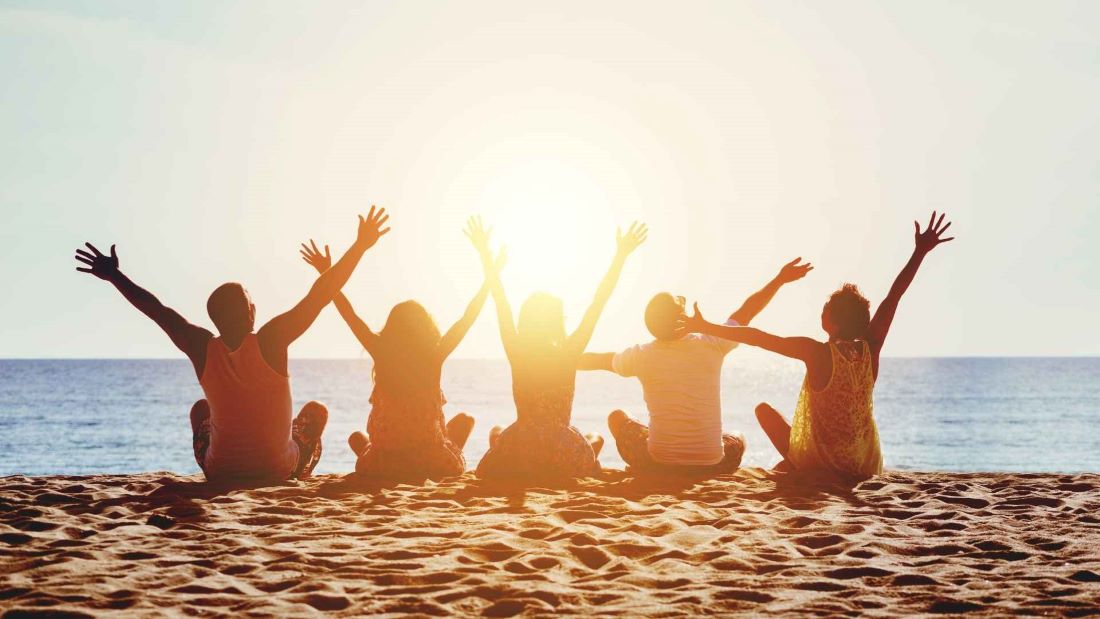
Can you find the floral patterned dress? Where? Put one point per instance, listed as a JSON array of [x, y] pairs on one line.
[[408, 438], [541, 443]]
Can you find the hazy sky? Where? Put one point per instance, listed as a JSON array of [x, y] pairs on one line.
[[208, 139]]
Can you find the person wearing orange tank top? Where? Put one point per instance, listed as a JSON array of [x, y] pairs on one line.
[[243, 429], [834, 433]]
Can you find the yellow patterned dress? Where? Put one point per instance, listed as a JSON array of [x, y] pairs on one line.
[[834, 431]]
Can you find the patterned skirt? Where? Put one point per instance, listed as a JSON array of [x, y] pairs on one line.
[[429, 461], [534, 450]]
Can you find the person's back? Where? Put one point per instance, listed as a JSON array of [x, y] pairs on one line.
[[250, 413], [543, 360], [834, 431], [543, 386], [681, 376], [243, 428], [681, 382]]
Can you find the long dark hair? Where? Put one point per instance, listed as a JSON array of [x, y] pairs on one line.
[[406, 361]]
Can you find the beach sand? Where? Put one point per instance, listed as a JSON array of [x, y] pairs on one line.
[[752, 542]]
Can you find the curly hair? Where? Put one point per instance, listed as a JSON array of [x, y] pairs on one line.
[[849, 312]]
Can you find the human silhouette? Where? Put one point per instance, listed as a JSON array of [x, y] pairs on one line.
[[543, 359], [243, 429], [407, 436], [834, 434], [681, 373]]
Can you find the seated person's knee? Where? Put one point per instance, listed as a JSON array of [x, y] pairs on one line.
[[200, 411], [616, 420], [317, 412], [764, 411], [358, 442]]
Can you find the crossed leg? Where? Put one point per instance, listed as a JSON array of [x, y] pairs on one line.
[[632, 437], [200, 431], [306, 430], [458, 432], [459, 428], [777, 429]]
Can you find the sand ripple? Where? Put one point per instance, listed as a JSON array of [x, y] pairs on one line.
[[753, 542]]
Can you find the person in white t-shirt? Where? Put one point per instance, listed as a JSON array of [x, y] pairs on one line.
[[680, 374]]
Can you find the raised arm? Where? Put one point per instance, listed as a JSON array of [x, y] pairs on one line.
[[283, 329], [322, 262], [924, 242], [189, 338], [479, 236], [802, 348], [625, 244], [596, 361], [458, 330], [790, 272]]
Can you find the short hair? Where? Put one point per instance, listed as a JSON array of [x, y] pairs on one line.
[[849, 312], [229, 308], [661, 315]]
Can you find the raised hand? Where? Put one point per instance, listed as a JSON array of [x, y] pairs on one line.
[[792, 271], [370, 229], [694, 323], [927, 240], [103, 267], [315, 258], [478, 234], [635, 236]]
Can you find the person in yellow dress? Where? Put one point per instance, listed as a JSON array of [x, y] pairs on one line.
[[834, 433]]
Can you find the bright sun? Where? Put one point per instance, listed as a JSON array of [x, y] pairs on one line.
[[556, 222]]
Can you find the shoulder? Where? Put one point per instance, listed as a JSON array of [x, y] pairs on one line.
[[627, 362], [719, 344]]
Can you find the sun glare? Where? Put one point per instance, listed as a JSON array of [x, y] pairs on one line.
[[556, 222]]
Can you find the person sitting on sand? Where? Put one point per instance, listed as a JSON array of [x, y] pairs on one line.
[[681, 380], [542, 443], [243, 429], [834, 433], [407, 436]]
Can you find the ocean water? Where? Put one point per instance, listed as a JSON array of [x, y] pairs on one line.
[[946, 414]]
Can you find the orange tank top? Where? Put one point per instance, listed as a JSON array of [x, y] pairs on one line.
[[250, 414]]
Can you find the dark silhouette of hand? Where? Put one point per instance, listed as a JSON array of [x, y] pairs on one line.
[[314, 257], [927, 240], [635, 236], [370, 229], [792, 271], [103, 267]]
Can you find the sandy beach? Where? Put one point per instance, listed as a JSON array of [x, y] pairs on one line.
[[752, 542]]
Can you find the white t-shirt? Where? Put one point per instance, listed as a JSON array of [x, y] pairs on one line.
[[681, 381]]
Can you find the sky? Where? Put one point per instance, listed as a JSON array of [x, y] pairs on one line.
[[207, 139]]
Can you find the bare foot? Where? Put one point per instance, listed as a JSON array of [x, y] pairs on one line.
[[596, 441]]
